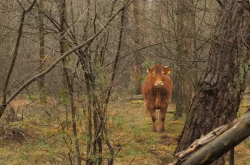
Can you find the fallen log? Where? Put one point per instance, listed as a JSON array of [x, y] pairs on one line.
[[216, 143]]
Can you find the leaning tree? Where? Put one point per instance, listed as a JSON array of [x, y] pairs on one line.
[[223, 83]]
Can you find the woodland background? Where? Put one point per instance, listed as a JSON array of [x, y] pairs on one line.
[[71, 72]]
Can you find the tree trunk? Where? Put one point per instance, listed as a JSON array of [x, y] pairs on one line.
[[184, 36], [223, 83], [212, 146], [68, 81], [41, 80], [14, 54], [137, 39]]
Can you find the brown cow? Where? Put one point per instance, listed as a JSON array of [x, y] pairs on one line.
[[157, 91]]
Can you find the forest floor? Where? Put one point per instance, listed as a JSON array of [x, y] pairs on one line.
[[42, 137]]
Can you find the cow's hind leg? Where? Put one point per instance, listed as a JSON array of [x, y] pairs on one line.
[[162, 119]]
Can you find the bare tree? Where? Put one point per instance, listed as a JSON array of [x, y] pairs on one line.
[[14, 55], [68, 78]]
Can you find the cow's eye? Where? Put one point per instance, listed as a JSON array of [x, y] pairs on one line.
[[153, 73]]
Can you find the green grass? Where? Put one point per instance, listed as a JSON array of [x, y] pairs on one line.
[[130, 131], [139, 143]]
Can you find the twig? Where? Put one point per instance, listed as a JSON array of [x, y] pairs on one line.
[[220, 3], [5, 103], [14, 53]]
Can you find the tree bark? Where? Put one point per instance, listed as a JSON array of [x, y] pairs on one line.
[[223, 83], [184, 49], [216, 143], [137, 39], [41, 80]]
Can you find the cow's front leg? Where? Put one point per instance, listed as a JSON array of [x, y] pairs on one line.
[[162, 119], [153, 116]]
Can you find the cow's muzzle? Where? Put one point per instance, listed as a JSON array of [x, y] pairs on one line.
[[158, 84]]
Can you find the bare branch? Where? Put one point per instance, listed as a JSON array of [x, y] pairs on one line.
[[220, 3], [31, 6], [20, 5], [14, 53], [88, 41], [246, 5]]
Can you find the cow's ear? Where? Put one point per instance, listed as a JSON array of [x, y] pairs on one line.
[[149, 70], [168, 71]]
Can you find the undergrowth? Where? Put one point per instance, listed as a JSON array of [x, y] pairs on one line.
[[44, 136]]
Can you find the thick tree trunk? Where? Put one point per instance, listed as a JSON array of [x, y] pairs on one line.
[[212, 146], [221, 87]]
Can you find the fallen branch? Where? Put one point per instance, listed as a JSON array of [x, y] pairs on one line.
[[216, 143]]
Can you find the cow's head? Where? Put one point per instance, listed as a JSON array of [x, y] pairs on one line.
[[157, 73]]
